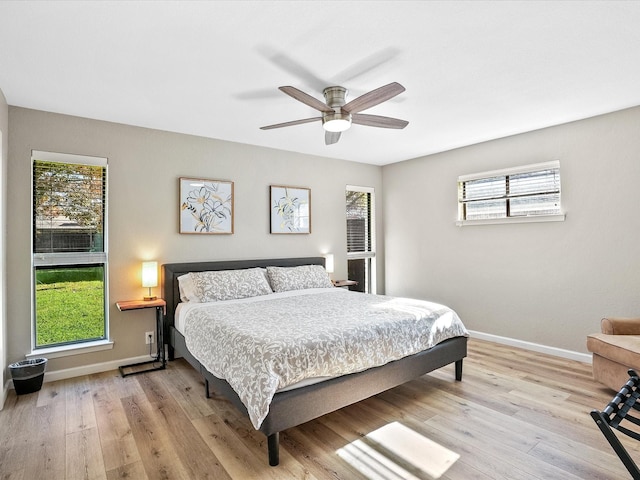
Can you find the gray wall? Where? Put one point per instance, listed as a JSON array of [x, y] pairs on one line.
[[545, 283], [144, 167]]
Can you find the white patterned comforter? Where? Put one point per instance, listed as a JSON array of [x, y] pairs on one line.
[[263, 344]]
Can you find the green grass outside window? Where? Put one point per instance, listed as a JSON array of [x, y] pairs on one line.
[[70, 309]]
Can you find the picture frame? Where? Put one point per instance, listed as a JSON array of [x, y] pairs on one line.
[[206, 206], [290, 209]]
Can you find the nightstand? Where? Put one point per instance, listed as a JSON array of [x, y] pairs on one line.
[[344, 283], [160, 305]]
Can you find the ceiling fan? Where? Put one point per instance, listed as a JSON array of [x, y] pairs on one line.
[[338, 115]]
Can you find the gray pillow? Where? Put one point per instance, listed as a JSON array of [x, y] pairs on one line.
[[283, 279], [219, 285]]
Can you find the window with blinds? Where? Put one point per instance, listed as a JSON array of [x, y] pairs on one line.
[[69, 254], [522, 192], [360, 237], [358, 221]]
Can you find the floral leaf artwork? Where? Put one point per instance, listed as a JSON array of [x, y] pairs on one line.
[[290, 210], [206, 206]]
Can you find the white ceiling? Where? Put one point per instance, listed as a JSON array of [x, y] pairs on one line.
[[473, 70]]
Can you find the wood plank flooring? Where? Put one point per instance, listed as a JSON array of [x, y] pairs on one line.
[[515, 415]]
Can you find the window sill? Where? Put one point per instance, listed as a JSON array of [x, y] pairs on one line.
[[497, 221], [68, 350]]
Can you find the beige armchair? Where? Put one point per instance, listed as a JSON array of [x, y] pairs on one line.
[[615, 350]]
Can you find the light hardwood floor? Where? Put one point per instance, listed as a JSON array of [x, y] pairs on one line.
[[515, 415]]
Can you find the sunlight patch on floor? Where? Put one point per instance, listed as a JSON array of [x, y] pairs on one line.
[[398, 452]]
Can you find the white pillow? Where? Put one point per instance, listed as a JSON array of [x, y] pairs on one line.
[[219, 285], [187, 289], [283, 279]]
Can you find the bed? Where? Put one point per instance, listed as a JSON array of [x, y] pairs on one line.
[[293, 406]]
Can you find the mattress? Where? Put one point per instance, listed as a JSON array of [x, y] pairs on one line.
[[264, 344], [182, 311]]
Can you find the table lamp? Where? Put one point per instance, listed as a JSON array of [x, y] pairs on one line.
[[150, 277], [328, 261]]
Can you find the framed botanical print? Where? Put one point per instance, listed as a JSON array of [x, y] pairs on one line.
[[290, 209], [206, 206]]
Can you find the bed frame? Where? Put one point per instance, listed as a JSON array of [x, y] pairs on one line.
[[294, 407]]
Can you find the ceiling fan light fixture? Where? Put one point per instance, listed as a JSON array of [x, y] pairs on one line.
[[336, 122]]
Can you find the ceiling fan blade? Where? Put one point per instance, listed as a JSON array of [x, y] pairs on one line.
[[292, 123], [331, 137], [290, 65], [378, 121], [366, 65], [307, 99], [373, 98], [293, 67]]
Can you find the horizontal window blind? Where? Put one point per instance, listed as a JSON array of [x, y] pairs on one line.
[[358, 221], [524, 191], [68, 207]]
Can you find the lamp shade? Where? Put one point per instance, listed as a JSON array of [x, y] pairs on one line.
[[149, 274], [328, 261]]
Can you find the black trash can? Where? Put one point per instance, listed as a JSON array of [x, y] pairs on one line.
[[28, 375]]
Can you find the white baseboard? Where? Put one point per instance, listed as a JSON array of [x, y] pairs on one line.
[[93, 368], [85, 370], [536, 347]]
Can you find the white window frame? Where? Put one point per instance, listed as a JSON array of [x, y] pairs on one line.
[[371, 254], [555, 164], [39, 259]]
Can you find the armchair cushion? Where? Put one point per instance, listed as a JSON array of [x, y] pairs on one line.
[[623, 349]]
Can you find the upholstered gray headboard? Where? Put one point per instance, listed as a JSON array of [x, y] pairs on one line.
[[171, 272]]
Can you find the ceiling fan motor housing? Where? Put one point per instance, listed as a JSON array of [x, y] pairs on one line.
[[338, 121], [335, 96]]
